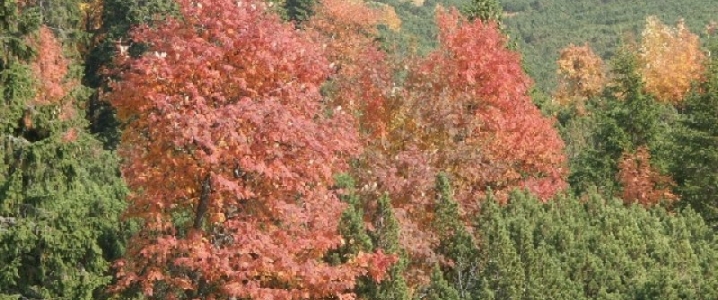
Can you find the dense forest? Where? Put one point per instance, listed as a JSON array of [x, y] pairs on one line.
[[541, 28], [353, 149]]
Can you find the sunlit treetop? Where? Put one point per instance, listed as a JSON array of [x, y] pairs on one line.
[[671, 59]]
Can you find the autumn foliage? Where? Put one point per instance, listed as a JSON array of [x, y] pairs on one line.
[[466, 110], [581, 75], [230, 154], [671, 60], [463, 110], [360, 75], [641, 183], [50, 67]]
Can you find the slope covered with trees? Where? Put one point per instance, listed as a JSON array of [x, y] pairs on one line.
[[349, 149], [543, 27]]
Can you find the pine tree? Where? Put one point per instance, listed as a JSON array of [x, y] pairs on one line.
[[386, 237], [593, 248], [621, 121], [115, 20], [351, 227], [440, 289], [502, 273], [455, 243]]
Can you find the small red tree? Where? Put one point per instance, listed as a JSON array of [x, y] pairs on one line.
[[641, 183], [230, 153], [49, 67]]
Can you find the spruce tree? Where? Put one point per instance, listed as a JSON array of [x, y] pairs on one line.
[[502, 273], [696, 158], [623, 119], [60, 192], [118, 16], [351, 226], [358, 239], [593, 248]]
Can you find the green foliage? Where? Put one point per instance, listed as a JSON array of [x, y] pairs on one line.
[[14, 26], [358, 239], [484, 10], [351, 227], [418, 28], [386, 237], [543, 27], [118, 16], [64, 17], [695, 167], [455, 243], [440, 289], [298, 10], [502, 274], [60, 203], [593, 248]]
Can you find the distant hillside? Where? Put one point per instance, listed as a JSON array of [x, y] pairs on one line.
[[542, 27]]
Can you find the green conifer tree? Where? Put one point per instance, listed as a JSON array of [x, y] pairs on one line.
[[593, 248], [358, 239], [386, 237], [696, 158], [299, 10], [455, 242], [620, 121], [440, 289], [351, 226], [502, 273], [484, 10], [60, 192], [118, 16]]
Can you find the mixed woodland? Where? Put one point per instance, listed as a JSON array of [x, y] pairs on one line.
[[355, 149]]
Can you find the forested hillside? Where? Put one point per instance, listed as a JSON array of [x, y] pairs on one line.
[[541, 28], [352, 149]]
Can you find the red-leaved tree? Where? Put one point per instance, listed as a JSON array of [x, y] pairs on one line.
[[230, 154], [466, 108], [361, 77], [50, 68], [641, 183], [463, 110]]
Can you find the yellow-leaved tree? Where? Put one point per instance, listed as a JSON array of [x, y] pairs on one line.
[[581, 75], [671, 58]]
